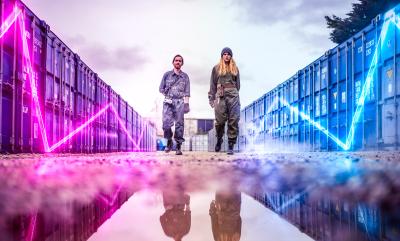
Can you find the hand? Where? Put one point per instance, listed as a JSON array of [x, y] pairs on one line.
[[186, 108], [212, 103]]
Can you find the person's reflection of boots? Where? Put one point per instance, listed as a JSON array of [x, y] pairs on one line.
[[226, 222], [176, 219]]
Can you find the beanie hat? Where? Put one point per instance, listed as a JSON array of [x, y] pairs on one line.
[[226, 50]]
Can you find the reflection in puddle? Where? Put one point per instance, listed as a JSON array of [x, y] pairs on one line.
[[211, 197], [225, 216], [176, 219], [326, 219], [240, 218]]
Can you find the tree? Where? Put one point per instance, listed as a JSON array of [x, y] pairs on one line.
[[360, 16]]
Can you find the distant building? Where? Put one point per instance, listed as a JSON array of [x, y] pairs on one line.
[[195, 134], [195, 126]]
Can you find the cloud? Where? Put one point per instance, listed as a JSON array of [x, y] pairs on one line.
[[101, 57], [278, 11], [303, 19], [199, 75]]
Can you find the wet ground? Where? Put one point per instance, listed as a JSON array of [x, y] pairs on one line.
[[200, 196]]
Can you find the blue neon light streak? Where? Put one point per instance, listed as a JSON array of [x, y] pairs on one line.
[[315, 124], [397, 22], [366, 87], [364, 221], [252, 128], [272, 203], [292, 200], [390, 18]]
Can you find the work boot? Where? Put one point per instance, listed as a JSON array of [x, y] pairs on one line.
[[218, 145], [230, 149], [168, 148], [178, 149]]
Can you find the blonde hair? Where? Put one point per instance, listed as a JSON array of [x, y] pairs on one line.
[[224, 68]]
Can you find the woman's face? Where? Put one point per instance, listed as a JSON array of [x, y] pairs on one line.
[[227, 57]]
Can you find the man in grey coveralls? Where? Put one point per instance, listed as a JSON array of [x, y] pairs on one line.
[[175, 86]]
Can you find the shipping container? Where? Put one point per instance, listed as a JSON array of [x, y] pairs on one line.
[[122, 125], [325, 219], [129, 126], [135, 129], [199, 143], [345, 100], [100, 124], [83, 221]]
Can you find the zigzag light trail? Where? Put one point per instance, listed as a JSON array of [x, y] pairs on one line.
[[397, 22], [366, 87], [30, 73], [274, 103], [363, 220], [27, 65], [123, 127], [8, 22], [113, 197], [31, 227], [80, 128], [361, 101], [314, 123], [292, 200]]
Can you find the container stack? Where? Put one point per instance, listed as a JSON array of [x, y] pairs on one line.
[[69, 94], [345, 100]]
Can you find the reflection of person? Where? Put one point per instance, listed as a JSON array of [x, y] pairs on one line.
[[226, 222], [224, 98], [176, 219], [175, 86]]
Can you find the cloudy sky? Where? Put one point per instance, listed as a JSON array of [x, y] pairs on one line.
[[130, 43]]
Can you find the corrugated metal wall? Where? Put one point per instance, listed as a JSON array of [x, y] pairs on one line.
[[69, 95], [84, 221], [345, 100], [325, 219]]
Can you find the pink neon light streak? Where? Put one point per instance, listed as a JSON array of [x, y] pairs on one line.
[[32, 226], [140, 138], [121, 123], [16, 14], [30, 73], [114, 197], [9, 21], [80, 128]]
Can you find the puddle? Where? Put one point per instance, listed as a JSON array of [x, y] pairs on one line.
[[146, 216]]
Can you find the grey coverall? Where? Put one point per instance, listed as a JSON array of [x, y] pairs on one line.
[[226, 107], [176, 87]]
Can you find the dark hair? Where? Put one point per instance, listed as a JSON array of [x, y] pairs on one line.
[[178, 55]]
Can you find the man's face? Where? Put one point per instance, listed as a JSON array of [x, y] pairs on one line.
[[178, 61], [227, 57]]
